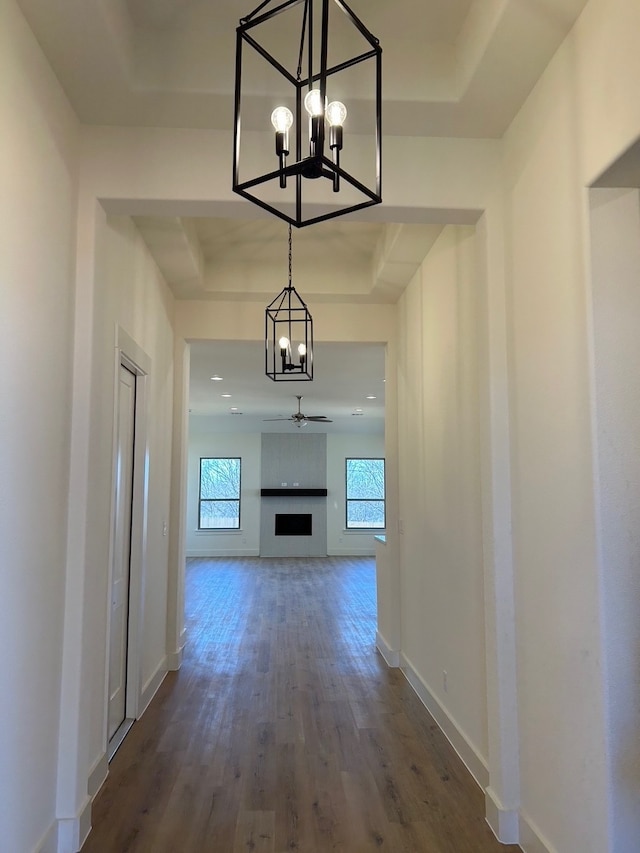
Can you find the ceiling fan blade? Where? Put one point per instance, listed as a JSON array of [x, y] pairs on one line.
[[300, 419]]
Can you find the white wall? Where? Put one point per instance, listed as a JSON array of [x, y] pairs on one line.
[[576, 794], [202, 443], [615, 245], [339, 448], [577, 119], [207, 442], [132, 295], [440, 498], [38, 175]]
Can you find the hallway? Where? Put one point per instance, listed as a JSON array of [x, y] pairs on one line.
[[285, 730]]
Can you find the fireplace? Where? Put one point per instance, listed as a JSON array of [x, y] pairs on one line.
[[293, 524], [293, 488], [293, 527]]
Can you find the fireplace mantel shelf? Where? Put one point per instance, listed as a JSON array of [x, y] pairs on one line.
[[295, 492]]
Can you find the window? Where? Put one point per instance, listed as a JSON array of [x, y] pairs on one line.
[[365, 494], [219, 504]]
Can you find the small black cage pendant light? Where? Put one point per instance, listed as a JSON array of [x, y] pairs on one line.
[[319, 167], [288, 336]]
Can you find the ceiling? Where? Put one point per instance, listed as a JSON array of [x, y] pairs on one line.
[[344, 376], [247, 261], [451, 68]]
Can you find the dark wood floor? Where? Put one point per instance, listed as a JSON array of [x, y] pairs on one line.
[[285, 730]]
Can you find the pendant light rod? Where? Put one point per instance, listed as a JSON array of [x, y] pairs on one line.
[[288, 333], [305, 16]]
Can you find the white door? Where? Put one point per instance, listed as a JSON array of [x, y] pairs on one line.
[[118, 650]]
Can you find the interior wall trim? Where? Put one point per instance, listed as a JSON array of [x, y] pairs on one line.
[[98, 775], [49, 842], [391, 656], [152, 686], [531, 839], [474, 762], [504, 822], [174, 661], [72, 832]]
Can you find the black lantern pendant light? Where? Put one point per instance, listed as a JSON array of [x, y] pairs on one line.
[[288, 335], [318, 169]]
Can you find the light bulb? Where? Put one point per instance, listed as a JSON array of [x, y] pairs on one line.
[[313, 102], [281, 119], [284, 343], [302, 350], [336, 113]]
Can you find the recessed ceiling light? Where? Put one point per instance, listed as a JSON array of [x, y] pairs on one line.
[[225, 395], [234, 408], [358, 411], [371, 397], [216, 378]]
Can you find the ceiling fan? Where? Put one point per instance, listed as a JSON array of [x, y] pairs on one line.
[[300, 420]]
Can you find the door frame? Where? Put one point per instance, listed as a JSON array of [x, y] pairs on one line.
[[128, 354]]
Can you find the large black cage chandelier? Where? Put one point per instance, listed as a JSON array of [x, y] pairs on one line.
[[288, 335], [301, 61]]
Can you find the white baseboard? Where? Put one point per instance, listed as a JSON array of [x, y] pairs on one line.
[[151, 687], [503, 822], [49, 842], [98, 775], [69, 833], [352, 552], [84, 821], [223, 552], [391, 656], [531, 839], [456, 737], [174, 661]]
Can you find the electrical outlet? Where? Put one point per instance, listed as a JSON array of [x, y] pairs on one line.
[[444, 680]]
